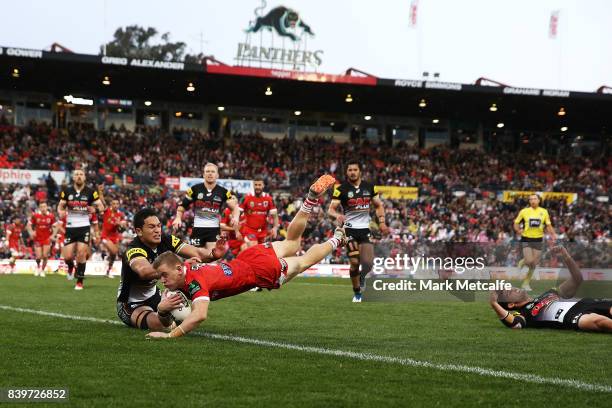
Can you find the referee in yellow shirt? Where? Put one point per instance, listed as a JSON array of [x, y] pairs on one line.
[[534, 220]]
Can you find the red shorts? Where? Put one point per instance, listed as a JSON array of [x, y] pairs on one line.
[[42, 242], [264, 263], [114, 238], [253, 234]]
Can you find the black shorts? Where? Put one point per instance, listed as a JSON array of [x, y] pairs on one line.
[[125, 309], [200, 236], [78, 234], [359, 235], [535, 243], [586, 306]]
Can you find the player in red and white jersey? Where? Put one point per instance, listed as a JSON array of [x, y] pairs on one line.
[[268, 266], [113, 222], [42, 229], [235, 240], [15, 241], [256, 209]]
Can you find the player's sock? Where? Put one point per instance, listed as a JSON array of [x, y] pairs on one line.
[[38, 263], [70, 266], [111, 261], [334, 243], [521, 263], [365, 269], [308, 205], [80, 272], [357, 291]]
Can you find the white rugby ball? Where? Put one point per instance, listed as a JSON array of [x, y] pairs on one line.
[[181, 312]]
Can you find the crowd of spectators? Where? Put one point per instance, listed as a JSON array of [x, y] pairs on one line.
[[458, 199]]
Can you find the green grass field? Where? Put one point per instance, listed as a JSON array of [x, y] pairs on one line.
[[109, 365]]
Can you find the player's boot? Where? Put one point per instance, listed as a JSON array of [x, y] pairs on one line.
[[357, 298], [526, 286], [320, 186], [78, 286], [41, 273]]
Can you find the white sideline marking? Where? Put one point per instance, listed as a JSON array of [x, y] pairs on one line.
[[485, 372]]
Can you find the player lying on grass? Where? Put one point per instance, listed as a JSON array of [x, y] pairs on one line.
[[267, 266], [555, 308], [139, 303]]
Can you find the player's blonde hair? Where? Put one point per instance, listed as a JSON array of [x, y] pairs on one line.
[[209, 164], [168, 258]]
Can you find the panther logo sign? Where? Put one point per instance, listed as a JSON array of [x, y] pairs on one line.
[[281, 19]]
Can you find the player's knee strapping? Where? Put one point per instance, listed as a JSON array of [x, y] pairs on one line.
[[141, 320], [353, 249]]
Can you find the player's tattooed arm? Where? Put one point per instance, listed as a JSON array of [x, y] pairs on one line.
[[204, 254], [144, 269], [380, 214], [334, 213]]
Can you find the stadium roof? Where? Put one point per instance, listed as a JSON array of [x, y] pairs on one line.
[[61, 74]]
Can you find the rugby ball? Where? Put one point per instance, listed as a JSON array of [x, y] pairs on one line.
[[180, 313]]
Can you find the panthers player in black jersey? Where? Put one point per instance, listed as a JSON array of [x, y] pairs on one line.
[[556, 308], [208, 200], [357, 198], [139, 302], [76, 203]]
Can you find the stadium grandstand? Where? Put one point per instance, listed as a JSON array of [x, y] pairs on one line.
[[138, 129]]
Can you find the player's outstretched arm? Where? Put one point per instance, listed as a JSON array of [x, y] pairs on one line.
[[334, 214], [569, 288], [144, 269], [203, 254], [199, 313]]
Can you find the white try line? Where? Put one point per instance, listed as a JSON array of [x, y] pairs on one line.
[[408, 362]]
